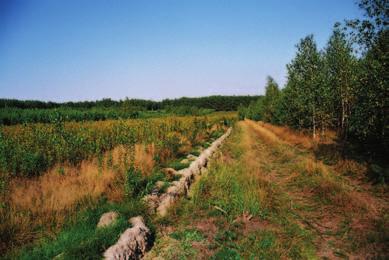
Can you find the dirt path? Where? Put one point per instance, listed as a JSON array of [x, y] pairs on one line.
[[336, 219], [267, 199]]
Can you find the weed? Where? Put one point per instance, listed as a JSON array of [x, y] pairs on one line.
[[226, 253], [177, 165]]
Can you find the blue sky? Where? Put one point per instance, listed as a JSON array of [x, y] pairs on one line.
[[63, 50]]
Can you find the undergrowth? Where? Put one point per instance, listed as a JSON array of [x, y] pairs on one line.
[[80, 239]]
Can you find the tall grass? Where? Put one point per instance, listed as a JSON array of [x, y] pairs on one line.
[[29, 150], [95, 166]]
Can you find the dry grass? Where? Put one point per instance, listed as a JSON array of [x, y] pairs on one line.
[[44, 203], [315, 178], [56, 192], [47, 201], [290, 136], [265, 134], [144, 158], [253, 177], [298, 138], [341, 203], [329, 183], [351, 168]]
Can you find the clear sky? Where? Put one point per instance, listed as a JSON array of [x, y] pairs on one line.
[[63, 50]]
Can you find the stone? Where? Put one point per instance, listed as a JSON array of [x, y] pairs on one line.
[[191, 157], [133, 242], [152, 202], [159, 185], [184, 161], [107, 219]]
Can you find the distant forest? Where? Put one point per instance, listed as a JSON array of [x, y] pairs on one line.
[[218, 103], [13, 111]]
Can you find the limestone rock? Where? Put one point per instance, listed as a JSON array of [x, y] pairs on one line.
[[132, 244], [152, 202], [191, 157], [107, 219], [184, 161]]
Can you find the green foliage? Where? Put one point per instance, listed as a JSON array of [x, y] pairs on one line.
[[253, 111], [188, 110], [195, 152], [137, 185], [177, 165], [334, 88], [218, 103], [12, 116], [17, 111], [29, 150], [81, 239], [242, 111], [340, 79], [369, 118], [226, 253], [367, 31], [304, 81], [270, 101], [188, 235]]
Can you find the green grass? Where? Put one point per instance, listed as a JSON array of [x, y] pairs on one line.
[[195, 153], [229, 191], [177, 165], [81, 239]]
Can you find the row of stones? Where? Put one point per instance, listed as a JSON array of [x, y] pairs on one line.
[[134, 242]]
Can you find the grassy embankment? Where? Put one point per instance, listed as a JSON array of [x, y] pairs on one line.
[[273, 194]]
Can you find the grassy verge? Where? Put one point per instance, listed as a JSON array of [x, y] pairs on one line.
[[263, 198], [235, 212]]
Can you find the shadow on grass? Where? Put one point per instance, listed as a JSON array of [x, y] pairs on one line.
[[373, 156]]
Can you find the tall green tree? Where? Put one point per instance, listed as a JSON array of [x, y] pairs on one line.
[[305, 84], [340, 68], [369, 119], [366, 32], [272, 94]]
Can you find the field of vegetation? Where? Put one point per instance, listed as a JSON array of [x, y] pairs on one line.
[[51, 173]]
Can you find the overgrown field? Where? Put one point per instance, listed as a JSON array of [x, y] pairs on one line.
[[61, 176], [30, 149]]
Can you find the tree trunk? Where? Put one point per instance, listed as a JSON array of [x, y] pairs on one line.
[[314, 123]]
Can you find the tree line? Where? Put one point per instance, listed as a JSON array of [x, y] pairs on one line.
[[217, 102], [343, 87], [14, 111]]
